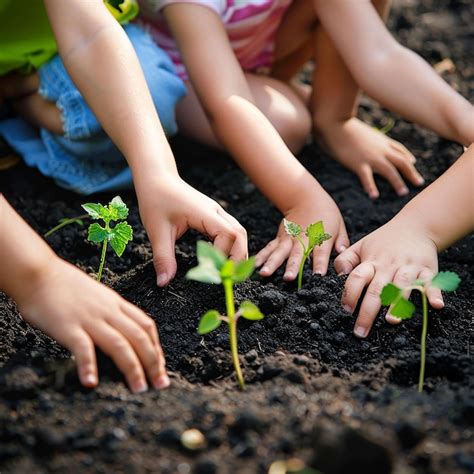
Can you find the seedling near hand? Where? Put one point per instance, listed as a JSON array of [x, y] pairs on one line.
[[316, 237], [79, 220], [401, 308], [118, 236], [214, 267]]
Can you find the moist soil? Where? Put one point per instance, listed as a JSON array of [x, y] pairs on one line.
[[314, 391]]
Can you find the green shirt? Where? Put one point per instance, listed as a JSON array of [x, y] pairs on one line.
[[26, 38]]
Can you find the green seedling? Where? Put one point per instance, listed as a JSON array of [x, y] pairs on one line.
[[118, 236], [79, 220], [387, 127], [401, 308], [214, 267], [316, 237]]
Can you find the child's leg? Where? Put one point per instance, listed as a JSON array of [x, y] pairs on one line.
[[276, 100], [334, 102]]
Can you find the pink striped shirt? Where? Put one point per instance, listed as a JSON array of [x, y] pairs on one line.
[[250, 24]]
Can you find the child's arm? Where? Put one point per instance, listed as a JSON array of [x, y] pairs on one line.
[[395, 76], [406, 248], [251, 139], [74, 309], [102, 63]]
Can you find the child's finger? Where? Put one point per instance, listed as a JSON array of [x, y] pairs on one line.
[[404, 150], [143, 346], [342, 239], [321, 257], [239, 244], [81, 345], [277, 257], [371, 304], [347, 260], [366, 177], [390, 173], [357, 280], [163, 245], [263, 255], [433, 294], [143, 320], [407, 169], [117, 347], [294, 261], [404, 277]]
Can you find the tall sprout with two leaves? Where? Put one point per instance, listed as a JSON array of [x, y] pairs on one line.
[[316, 237], [214, 267], [401, 308], [118, 236]]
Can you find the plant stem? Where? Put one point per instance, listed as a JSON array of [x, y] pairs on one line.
[[300, 271], [102, 259], [229, 302], [424, 332], [65, 223]]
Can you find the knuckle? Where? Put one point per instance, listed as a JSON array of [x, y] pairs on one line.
[[375, 289], [148, 324]]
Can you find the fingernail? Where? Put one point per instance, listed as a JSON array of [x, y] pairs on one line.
[[439, 302], [342, 248], [403, 192], [264, 270], [347, 308], [420, 181], [360, 331], [139, 386], [288, 275], [392, 319], [373, 196], [162, 382], [162, 279], [89, 380], [343, 273]]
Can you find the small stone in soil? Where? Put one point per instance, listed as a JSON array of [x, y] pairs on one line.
[[271, 301]]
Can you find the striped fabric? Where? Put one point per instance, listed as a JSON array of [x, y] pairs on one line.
[[250, 24]]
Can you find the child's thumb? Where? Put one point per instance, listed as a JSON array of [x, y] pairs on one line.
[[163, 256]]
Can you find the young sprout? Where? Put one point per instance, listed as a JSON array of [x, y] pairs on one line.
[[118, 236], [214, 267], [401, 308], [316, 237], [79, 220]]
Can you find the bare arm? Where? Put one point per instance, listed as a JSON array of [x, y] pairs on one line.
[[395, 76]]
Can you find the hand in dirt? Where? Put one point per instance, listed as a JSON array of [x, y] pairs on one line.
[[170, 207], [79, 313], [398, 252], [366, 151], [283, 247]]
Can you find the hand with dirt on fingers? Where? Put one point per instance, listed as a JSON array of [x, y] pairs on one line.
[[311, 208], [170, 207]]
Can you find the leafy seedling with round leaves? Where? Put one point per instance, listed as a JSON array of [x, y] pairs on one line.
[[213, 267], [401, 308], [118, 236], [316, 237]]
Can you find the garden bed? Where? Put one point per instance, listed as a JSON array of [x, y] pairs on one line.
[[314, 391]]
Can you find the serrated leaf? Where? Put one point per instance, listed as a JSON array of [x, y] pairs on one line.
[[96, 233], [207, 251], [291, 228], [96, 211], [446, 281], [209, 321], [248, 310], [205, 272], [244, 269], [403, 309], [227, 270], [118, 209], [120, 236], [390, 293], [316, 234]]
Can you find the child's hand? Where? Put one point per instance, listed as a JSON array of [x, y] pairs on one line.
[[170, 207], [366, 151], [283, 247], [79, 312], [400, 252]]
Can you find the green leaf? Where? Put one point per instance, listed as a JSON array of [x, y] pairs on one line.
[[120, 236], [390, 293], [244, 269], [96, 211], [118, 209], [250, 311], [403, 309], [96, 233], [205, 272], [446, 281], [316, 235], [227, 270], [209, 321], [419, 282], [116, 4], [207, 251], [291, 228]]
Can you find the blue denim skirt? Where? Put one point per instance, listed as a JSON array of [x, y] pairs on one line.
[[84, 159]]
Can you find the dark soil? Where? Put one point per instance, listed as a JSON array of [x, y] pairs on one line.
[[314, 391]]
